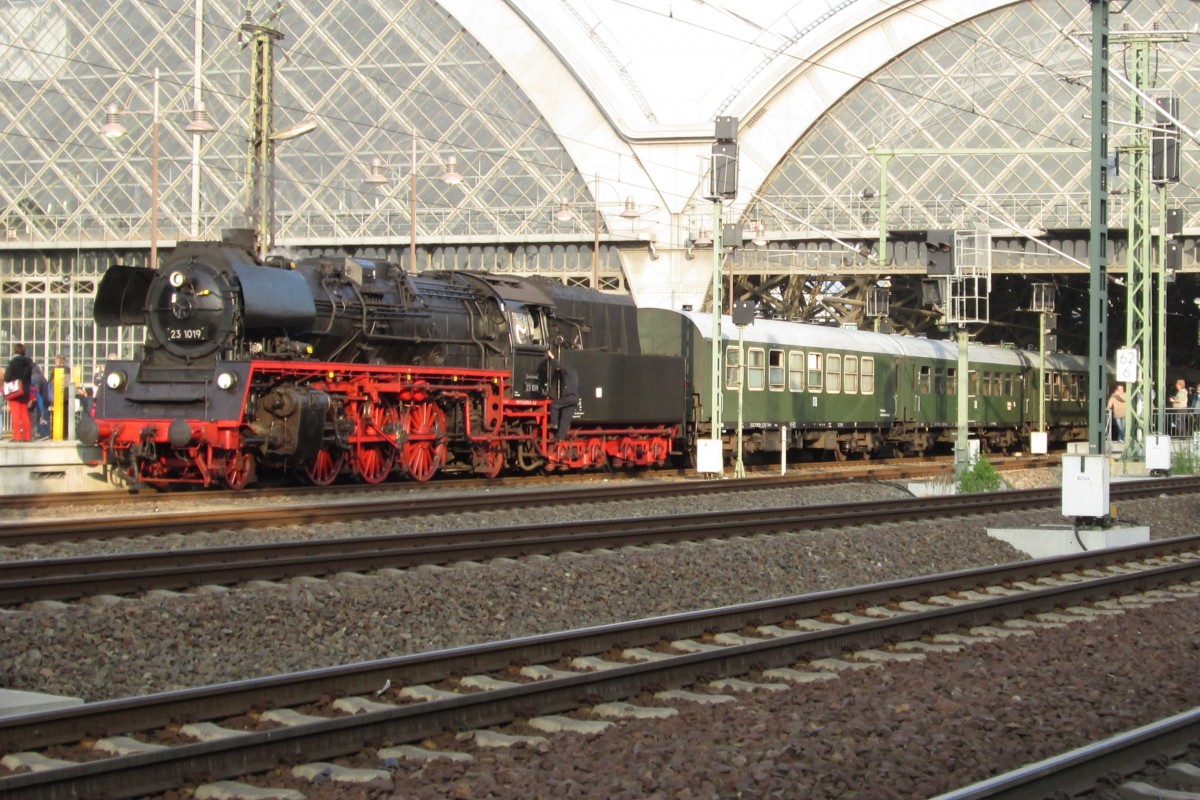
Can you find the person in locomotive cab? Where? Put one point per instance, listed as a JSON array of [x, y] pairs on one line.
[[563, 409], [20, 368]]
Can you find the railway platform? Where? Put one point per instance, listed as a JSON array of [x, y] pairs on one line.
[[48, 466]]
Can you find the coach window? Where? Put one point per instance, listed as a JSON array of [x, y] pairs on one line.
[[1008, 384], [833, 374], [973, 383], [775, 370], [796, 370], [850, 375], [755, 367], [951, 381], [925, 380], [815, 372], [866, 382], [733, 363]]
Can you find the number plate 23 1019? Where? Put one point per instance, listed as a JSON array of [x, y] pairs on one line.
[[199, 334]]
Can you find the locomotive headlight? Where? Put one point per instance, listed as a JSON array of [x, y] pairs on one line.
[[115, 380], [177, 279], [226, 381]]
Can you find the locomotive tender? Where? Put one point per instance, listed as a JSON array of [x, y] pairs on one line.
[[333, 366]]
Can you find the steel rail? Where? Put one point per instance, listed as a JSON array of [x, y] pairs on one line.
[[1077, 771], [139, 774], [72, 578], [459, 494], [44, 531]]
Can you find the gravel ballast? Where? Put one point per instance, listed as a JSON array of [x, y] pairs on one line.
[[102, 650], [911, 730]]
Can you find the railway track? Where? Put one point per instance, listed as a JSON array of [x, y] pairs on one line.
[[372, 505], [233, 730], [1102, 766], [897, 469], [124, 574]]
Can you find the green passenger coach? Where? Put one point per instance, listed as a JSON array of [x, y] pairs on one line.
[[835, 392]]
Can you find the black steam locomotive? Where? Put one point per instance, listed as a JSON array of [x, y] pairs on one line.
[[329, 366]]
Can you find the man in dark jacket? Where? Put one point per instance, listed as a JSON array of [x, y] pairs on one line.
[[563, 409], [20, 368]]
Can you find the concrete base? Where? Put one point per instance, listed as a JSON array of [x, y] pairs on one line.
[[936, 488], [14, 703], [46, 467], [1059, 540]]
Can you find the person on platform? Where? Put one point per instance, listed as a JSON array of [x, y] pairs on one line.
[[562, 410], [20, 368], [39, 399], [1117, 406], [1177, 401]]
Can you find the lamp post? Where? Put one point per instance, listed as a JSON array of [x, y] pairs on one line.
[[378, 177], [113, 128], [629, 211]]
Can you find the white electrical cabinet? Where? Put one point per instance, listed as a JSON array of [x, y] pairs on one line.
[[1158, 453], [1085, 481], [709, 456]]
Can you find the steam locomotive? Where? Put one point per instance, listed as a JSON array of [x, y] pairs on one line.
[[327, 367], [333, 365]]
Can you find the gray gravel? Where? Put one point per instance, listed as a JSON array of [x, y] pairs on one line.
[[100, 650]]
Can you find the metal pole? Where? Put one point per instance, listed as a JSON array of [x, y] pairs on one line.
[[197, 99], [961, 449], [412, 210], [1098, 241], [596, 232], [1160, 349], [716, 321], [783, 448], [884, 158], [739, 469], [1042, 371], [154, 179]]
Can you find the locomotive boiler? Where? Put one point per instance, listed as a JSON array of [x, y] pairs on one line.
[[330, 366]]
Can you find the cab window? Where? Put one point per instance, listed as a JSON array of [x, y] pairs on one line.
[[527, 329]]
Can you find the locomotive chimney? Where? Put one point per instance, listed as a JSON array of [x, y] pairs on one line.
[[242, 238]]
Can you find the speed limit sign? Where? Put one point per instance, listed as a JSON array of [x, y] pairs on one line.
[[1127, 364]]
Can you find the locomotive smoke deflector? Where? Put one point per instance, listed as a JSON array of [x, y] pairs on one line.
[[121, 296]]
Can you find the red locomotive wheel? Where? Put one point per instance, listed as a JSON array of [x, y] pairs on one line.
[[424, 451], [239, 470], [325, 466], [374, 460], [597, 459], [488, 461]]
